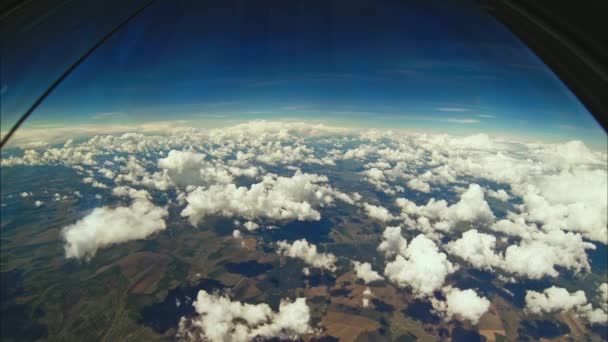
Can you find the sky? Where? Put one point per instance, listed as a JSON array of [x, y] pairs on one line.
[[426, 65]]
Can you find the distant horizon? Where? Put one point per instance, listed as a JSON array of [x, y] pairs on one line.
[[29, 133]]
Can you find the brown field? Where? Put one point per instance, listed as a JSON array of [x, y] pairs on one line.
[[490, 324], [400, 325], [146, 284], [347, 327], [250, 243], [509, 316]]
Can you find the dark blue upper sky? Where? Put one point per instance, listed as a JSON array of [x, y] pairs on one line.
[[423, 64]]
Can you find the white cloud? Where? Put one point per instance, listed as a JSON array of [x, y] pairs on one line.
[[500, 194], [364, 271], [557, 299], [393, 243], [423, 267], [461, 304], [251, 226], [308, 253], [94, 183], [38, 203], [365, 297], [553, 299], [419, 185], [276, 198], [221, 319], [452, 109], [106, 226], [476, 248], [603, 292], [537, 256], [125, 191], [377, 212], [471, 207]]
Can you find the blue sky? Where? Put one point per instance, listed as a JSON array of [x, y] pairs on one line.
[[413, 64]]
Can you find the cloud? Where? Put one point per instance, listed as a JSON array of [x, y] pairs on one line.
[[538, 255], [393, 243], [461, 304], [553, 299], [603, 292], [452, 109], [125, 191], [500, 194], [423, 267], [377, 212], [220, 319], [107, 226], [38, 203], [557, 299], [365, 297], [306, 252], [419, 185], [251, 226], [462, 121], [437, 215], [276, 198], [476, 248], [364, 271]]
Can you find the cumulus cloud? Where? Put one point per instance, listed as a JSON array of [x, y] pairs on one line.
[[557, 299], [500, 195], [393, 243], [107, 226], [461, 304], [553, 299], [38, 203], [377, 212], [251, 226], [419, 185], [471, 207], [476, 248], [220, 319], [277, 198], [538, 255], [422, 267], [125, 191], [364, 271], [308, 253]]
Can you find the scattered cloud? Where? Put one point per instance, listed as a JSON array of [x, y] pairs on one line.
[[363, 270], [107, 226], [220, 319], [461, 304], [308, 253]]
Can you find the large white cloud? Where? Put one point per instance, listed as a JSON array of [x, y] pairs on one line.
[[106, 226], [476, 248], [277, 198], [461, 304], [301, 249], [538, 255], [220, 319], [553, 299], [557, 299], [471, 207], [422, 267]]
